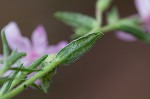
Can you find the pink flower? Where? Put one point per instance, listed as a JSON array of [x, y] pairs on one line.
[[143, 8], [125, 36], [35, 48]]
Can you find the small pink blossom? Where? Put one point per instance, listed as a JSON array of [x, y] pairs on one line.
[[143, 8], [125, 36], [35, 48]]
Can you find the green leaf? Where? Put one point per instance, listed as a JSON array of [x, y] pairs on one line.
[[135, 31], [9, 61], [24, 69], [102, 5], [77, 48], [133, 20], [112, 16], [34, 85], [46, 81], [6, 86], [4, 79], [13, 53], [76, 19], [35, 64], [14, 57], [5, 45]]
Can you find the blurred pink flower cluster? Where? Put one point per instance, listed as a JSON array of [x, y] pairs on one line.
[[143, 8], [35, 48]]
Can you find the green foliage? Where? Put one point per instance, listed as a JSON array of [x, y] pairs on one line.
[[77, 48], [113, 16], [4, 79], [6, 86], [36, 86], [5, 45], [36, 63], [8, 61], [75, 19], [80, 23], [14, 57], [24, 69], [134, 30], [102, 5], [67, 55], [46, 81], [34, 67]]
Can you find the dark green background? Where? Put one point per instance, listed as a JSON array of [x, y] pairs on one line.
[[113, 69]]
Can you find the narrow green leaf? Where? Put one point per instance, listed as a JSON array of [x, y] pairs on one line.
[[5, 54], [13, 53], [76, 20], [102, 5], [34, 85], [8, 61], [77, 48], [35, 64], [46, 81], [6, 86], [5, 45], [112, 16], [24, 69], [12, 59], [4, 79], [135, 31], [133, 20]]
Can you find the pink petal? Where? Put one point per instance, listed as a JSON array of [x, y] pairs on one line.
[[143, 7], [125, 36], [39, 39], [12, 28], [30, 57], [53, 49], [15, 39]]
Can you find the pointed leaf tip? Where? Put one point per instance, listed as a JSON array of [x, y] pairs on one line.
[[77, 48]]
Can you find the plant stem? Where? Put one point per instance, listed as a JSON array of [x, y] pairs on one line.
[[28, 82], [98, 17], [107, 28]]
